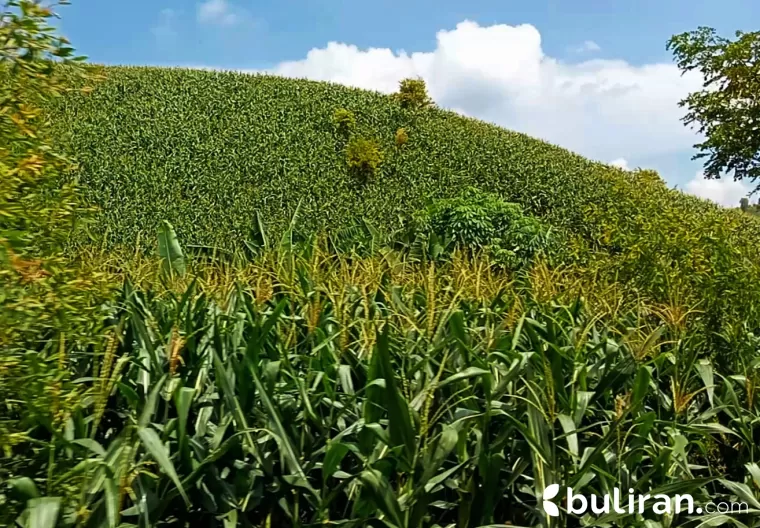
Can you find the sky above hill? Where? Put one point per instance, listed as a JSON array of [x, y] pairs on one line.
[[590, 75]]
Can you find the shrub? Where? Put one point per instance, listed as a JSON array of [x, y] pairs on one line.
[[364, 156], [413, 94], [344, 120], [402, 137], [478, 220]]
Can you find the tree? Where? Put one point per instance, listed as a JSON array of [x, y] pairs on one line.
[[727, 110]]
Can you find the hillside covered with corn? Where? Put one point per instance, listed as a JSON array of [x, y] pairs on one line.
[[222, 156], [207, 151]]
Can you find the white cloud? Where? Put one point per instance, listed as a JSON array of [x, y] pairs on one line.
[[725, 192], [620, 163], [218, 12], [501, 74], [588, 46]]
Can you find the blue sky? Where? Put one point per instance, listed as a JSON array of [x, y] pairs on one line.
[[575, 72]]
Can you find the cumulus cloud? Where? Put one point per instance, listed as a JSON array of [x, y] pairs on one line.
[[725, 192], [501, 74], [620, 163], [217, 12]]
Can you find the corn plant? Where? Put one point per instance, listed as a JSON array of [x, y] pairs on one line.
[[399, 405], [135, 138]]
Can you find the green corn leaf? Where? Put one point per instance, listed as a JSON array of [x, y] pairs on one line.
[[534, 442], [433, 482], [742, 491], [582, 399], [170, 251], [92, 445], [705, 369], [183, 398], [149, 408], [640, 386], [155, 447], [112, 502], [568, 426], [374, 402], [258, 241], [24, 487], [225, 384], [720, 520], [383, 496], [469, 372], [286, 241], [43, 512], [400, 423], [333, 457], [447, 441], [754, 471], [288, 450], [344, 375]]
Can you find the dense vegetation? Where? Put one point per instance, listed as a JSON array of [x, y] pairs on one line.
[[207, 151], [727, 109], [373, 392], [217, 154], [371, 312]]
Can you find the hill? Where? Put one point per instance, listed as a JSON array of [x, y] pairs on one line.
[[208, 151]]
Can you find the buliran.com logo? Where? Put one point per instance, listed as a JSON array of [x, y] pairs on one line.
[[631, 503]]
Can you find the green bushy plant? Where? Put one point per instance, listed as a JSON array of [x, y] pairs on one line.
[[412, 93], [49, 313], [402, 137], [344, 120], [364, 156], [480, 220]]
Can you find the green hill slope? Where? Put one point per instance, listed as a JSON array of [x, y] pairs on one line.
[[209, 150]]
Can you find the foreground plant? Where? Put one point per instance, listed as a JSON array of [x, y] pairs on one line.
[[47, 306], [394, 406]]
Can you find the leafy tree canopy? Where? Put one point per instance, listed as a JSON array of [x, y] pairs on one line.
[[727, 109]]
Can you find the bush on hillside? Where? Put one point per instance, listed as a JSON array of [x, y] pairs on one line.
[[402, 137], [413, 94], [364, 156], [477, 220], [344, 120]]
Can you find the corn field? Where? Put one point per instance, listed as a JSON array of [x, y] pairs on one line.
[[342, 393], [350, 374], [254, 150]]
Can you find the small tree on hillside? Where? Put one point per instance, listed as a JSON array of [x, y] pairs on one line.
[[727, 109], [412, 93]]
